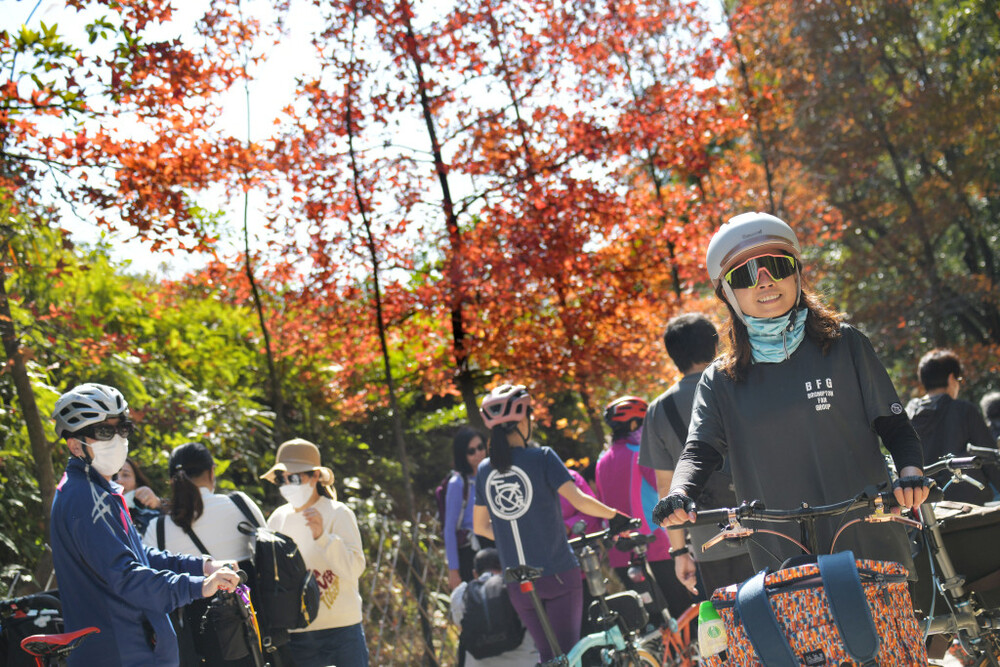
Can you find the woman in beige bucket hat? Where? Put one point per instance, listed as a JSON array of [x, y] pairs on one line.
[[326, 532]]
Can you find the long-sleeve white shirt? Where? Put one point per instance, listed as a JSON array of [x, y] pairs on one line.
[[216, 528], [337, 559]]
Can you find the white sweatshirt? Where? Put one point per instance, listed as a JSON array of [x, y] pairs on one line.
[[337, 559]]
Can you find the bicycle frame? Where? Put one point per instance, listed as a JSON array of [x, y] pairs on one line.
[[675, 634], [965, 618], [611, 638]]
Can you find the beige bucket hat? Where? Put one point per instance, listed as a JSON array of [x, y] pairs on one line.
[[298, 455]]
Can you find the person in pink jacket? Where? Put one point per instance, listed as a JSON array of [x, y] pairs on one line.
[[631, 489]]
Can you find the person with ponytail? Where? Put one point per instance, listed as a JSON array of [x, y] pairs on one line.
[[517, 505], [798, 405], [326, 532], [197, 515], [199, 521]]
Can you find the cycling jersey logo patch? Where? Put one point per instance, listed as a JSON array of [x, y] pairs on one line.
[[821, 391], [508, 494]]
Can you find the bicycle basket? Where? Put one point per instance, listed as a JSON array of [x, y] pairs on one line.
[[628, 605], [806, 621]]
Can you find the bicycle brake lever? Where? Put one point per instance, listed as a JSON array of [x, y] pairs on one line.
[[962, 477], [893, 518], [733, 531]]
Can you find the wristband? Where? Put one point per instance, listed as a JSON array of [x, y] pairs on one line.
[[683, 551]]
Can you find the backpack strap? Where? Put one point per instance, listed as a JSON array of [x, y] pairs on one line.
[[238, 500], [757, 617], [674, 415], [160, 532], [848, 606], [465, 500], [194, 538]]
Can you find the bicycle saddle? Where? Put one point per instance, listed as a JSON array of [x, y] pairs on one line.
[[56, 645]]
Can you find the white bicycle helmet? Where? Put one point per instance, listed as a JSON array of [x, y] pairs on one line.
[[87, 404], [745, 236], [506, 404]]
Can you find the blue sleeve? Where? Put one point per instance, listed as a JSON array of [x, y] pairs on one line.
[[167, 560], [113, 561], [452, 510], [556, 473]]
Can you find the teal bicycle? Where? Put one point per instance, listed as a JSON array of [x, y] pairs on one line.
[[620, 617]]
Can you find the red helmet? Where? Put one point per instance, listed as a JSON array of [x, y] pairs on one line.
[[506, 404], [621, 411]]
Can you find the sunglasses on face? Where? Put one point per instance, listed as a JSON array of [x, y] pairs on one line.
[[106, 431], [282, 478], [478, 448], [746, 274]]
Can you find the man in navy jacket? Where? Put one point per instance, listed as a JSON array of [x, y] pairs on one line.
[[107, 578]]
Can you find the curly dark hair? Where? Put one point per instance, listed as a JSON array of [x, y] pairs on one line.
[[822, 327]]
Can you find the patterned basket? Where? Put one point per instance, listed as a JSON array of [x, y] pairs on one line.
[[803, 613]]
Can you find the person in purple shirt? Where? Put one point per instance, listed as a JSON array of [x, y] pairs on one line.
[[460, 543], [631, 488]]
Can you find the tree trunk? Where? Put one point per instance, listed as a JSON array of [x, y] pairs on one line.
[[463, 375], [397, 416], [277, 397], [41, 450]]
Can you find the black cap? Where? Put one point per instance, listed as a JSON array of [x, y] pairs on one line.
[[193, 457]]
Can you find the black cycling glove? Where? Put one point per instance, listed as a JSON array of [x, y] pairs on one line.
[[669, 504], [912, 482], [618, 523]]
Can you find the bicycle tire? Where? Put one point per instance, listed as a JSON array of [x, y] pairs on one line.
[[636, 658]]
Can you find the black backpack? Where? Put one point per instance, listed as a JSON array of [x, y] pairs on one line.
[[285, 590], [490, 626]]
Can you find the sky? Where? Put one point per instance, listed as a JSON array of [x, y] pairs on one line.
[[270, 89]]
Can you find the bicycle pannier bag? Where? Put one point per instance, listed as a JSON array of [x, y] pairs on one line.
[[490, 626], [838, 611], [222, 634]]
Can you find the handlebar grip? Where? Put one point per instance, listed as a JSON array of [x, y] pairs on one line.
[[706, 517], [989, 452]]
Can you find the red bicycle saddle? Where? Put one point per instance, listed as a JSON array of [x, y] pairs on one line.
[[51, 645]]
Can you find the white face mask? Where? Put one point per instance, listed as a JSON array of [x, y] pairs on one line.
[[109, 455], [297, 494]]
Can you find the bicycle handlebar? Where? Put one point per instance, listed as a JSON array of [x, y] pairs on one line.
[[980, 456], [602, 536], [755, 509]]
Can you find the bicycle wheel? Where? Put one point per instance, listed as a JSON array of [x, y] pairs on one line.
[[636, 658]]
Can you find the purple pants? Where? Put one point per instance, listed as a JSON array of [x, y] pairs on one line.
[[562, 597]]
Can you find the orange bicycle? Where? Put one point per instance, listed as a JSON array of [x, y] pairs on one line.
[[674, 643]]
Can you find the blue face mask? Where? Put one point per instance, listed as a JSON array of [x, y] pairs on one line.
[[774, 339]]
